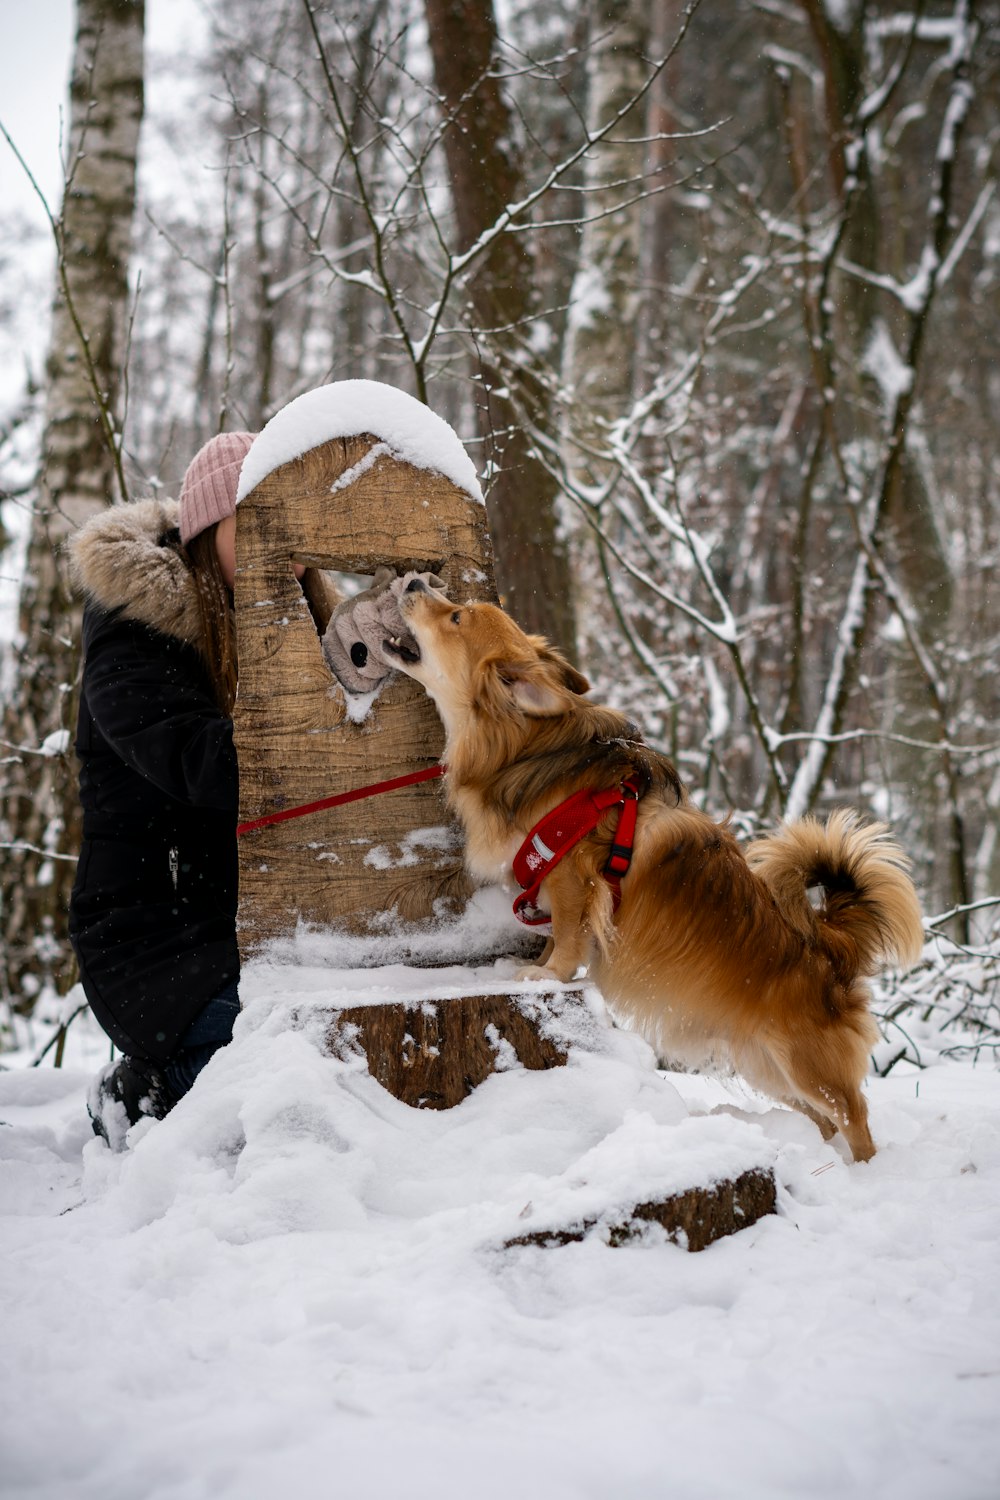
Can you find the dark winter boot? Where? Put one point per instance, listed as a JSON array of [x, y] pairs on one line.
[[124, 1093]]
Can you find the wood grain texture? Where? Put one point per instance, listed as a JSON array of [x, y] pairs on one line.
[[431, 1054], [352, 865]]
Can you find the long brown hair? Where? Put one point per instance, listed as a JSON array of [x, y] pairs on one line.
[[215, 609]]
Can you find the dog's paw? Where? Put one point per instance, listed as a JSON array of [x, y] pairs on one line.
[[537, 973], [549, 974]]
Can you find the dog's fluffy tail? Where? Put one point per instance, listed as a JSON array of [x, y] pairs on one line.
[[869, 902]]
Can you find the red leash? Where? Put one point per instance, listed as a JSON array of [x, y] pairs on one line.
[[556, 833], [430, 773]]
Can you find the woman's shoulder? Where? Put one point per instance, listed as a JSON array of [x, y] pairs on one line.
[[126, 561]]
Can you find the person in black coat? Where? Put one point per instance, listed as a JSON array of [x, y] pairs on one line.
[[153, 909]]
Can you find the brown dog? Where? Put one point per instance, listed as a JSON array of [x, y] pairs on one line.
[[715, 956]]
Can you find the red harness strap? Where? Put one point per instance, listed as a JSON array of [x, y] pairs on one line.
[[559, 830]]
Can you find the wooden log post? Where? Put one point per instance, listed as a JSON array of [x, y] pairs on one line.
[[347, 505]]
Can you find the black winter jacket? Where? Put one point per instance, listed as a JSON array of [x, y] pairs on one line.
[[153, 910]]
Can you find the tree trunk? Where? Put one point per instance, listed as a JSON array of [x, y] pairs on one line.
[[485, 169], [601, 338], [79, 472], [602, 341], [656, 316], [921, 548]]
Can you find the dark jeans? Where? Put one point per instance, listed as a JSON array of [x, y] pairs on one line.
[[211, 1029]]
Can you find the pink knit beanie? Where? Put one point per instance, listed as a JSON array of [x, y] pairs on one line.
[[208, 493]]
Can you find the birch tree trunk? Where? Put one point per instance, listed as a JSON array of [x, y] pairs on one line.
[[484, 166], [603, 344], [602, 333], [920, 544], [80, 471]]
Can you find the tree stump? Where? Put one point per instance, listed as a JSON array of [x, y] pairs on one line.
[[694, 1219], [432, 1053], [343, 507]]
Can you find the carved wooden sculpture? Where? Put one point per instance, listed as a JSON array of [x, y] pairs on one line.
[[338, 508]]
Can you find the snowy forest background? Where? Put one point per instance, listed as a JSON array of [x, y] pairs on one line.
[[710, 292]]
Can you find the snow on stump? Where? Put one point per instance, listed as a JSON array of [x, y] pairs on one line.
[[345, 478], [694, 1219], [432, 1052]]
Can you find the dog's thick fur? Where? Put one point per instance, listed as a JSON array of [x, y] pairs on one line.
[[717, 957]]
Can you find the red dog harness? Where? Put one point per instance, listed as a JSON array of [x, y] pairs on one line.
[[555, 835]]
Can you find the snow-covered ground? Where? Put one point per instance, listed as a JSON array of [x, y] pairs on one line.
[[297, 1286]]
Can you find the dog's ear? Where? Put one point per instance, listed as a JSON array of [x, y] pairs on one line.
[[572, 680], [530, 684]]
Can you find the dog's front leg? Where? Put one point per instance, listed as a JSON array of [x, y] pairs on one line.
[[545, 954], [567, 951]]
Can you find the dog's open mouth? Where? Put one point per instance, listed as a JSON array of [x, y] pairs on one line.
[[403, 646]]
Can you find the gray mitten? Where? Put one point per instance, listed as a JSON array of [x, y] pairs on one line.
[[354, 641]]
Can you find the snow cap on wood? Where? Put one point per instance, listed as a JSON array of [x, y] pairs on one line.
[[410, 431]]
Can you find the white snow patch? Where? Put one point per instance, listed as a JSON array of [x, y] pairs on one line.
[[375, 452], [893, 629], [883, 362], [359, 705], [719, 716], [408, 850], [487, 927], [841, 14], [407, 428], [56, 743], [591, 300], [295, 1276]]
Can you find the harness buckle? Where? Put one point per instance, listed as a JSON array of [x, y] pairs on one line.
[[620, 856]]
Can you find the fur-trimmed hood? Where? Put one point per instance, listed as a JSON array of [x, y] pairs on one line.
[[121, 559]]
